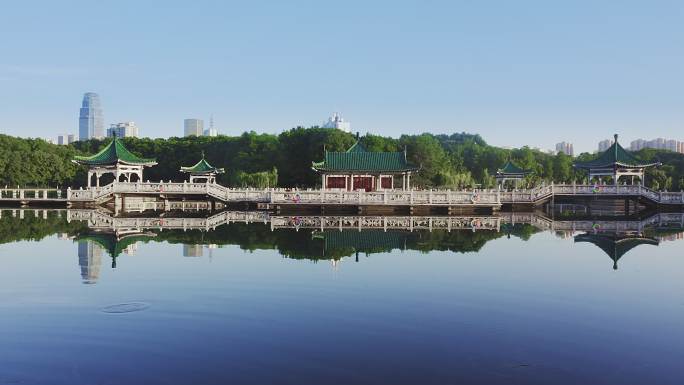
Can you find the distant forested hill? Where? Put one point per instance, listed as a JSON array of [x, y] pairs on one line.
[[456, 161]]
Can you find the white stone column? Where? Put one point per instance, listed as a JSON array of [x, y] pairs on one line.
[[323, 180], [408, 180], [352, 181]]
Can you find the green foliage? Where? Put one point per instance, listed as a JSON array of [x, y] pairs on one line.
[[262, 179], [34, 162], [453, 161]]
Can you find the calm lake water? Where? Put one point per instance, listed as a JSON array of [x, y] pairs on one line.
[[508, 301]]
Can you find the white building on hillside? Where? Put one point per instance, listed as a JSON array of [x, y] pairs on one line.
[[336, 121]]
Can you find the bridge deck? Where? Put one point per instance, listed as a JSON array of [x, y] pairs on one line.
[[459, 198]]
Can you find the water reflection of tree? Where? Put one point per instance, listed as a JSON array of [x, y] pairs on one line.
[[315, 245], [34, 228]]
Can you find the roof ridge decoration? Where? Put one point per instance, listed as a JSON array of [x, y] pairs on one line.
[[114, 152]]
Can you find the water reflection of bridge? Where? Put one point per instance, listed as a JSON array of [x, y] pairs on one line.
[[335, 237], [98, 220]]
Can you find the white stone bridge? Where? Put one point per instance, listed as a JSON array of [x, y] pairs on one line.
[[294, 197]]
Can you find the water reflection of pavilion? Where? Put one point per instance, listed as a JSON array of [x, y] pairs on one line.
[[332, 237], [349, 242], [114, 243], [616, 245]]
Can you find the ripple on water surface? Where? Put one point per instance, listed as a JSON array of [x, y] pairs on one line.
[[127, 307]]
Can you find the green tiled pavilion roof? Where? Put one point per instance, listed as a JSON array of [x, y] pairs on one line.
[[615, 245], [510, 168], [115, 152], [357, 158], [339, 243], [115, 245], [202, 167], [615, 155]]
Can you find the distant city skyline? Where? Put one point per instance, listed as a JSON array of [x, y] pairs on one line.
[[659, 143], [516, 73]]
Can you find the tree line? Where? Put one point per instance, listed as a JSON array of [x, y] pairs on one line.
[[459, 160]]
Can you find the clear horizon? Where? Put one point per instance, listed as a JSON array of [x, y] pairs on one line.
[[523, 73]]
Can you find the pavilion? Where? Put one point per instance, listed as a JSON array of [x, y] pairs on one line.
[[202, 172], [510, 172], [114, 159], [616, 162], [616, 245], [359, 169]]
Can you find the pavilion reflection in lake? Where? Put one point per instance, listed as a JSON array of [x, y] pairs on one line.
[[330, 238], [616, 245], [334, 238]]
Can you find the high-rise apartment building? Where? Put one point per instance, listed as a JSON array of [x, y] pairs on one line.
[[90, 121], [63, 140], [658, 144], [566, 148], [193, 127], [123, 130]]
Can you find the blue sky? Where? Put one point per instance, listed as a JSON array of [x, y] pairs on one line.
[[517, 72]]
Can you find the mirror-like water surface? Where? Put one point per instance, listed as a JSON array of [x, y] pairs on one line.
[[87, 298]]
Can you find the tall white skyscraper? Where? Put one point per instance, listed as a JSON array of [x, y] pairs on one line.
[[336, 121], [90, 121], [193, 127], [123, 130]]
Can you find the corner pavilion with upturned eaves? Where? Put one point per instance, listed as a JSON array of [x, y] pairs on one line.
[[510, 172], [359, 169], [202, 172], [114, 159], [616, 162]]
